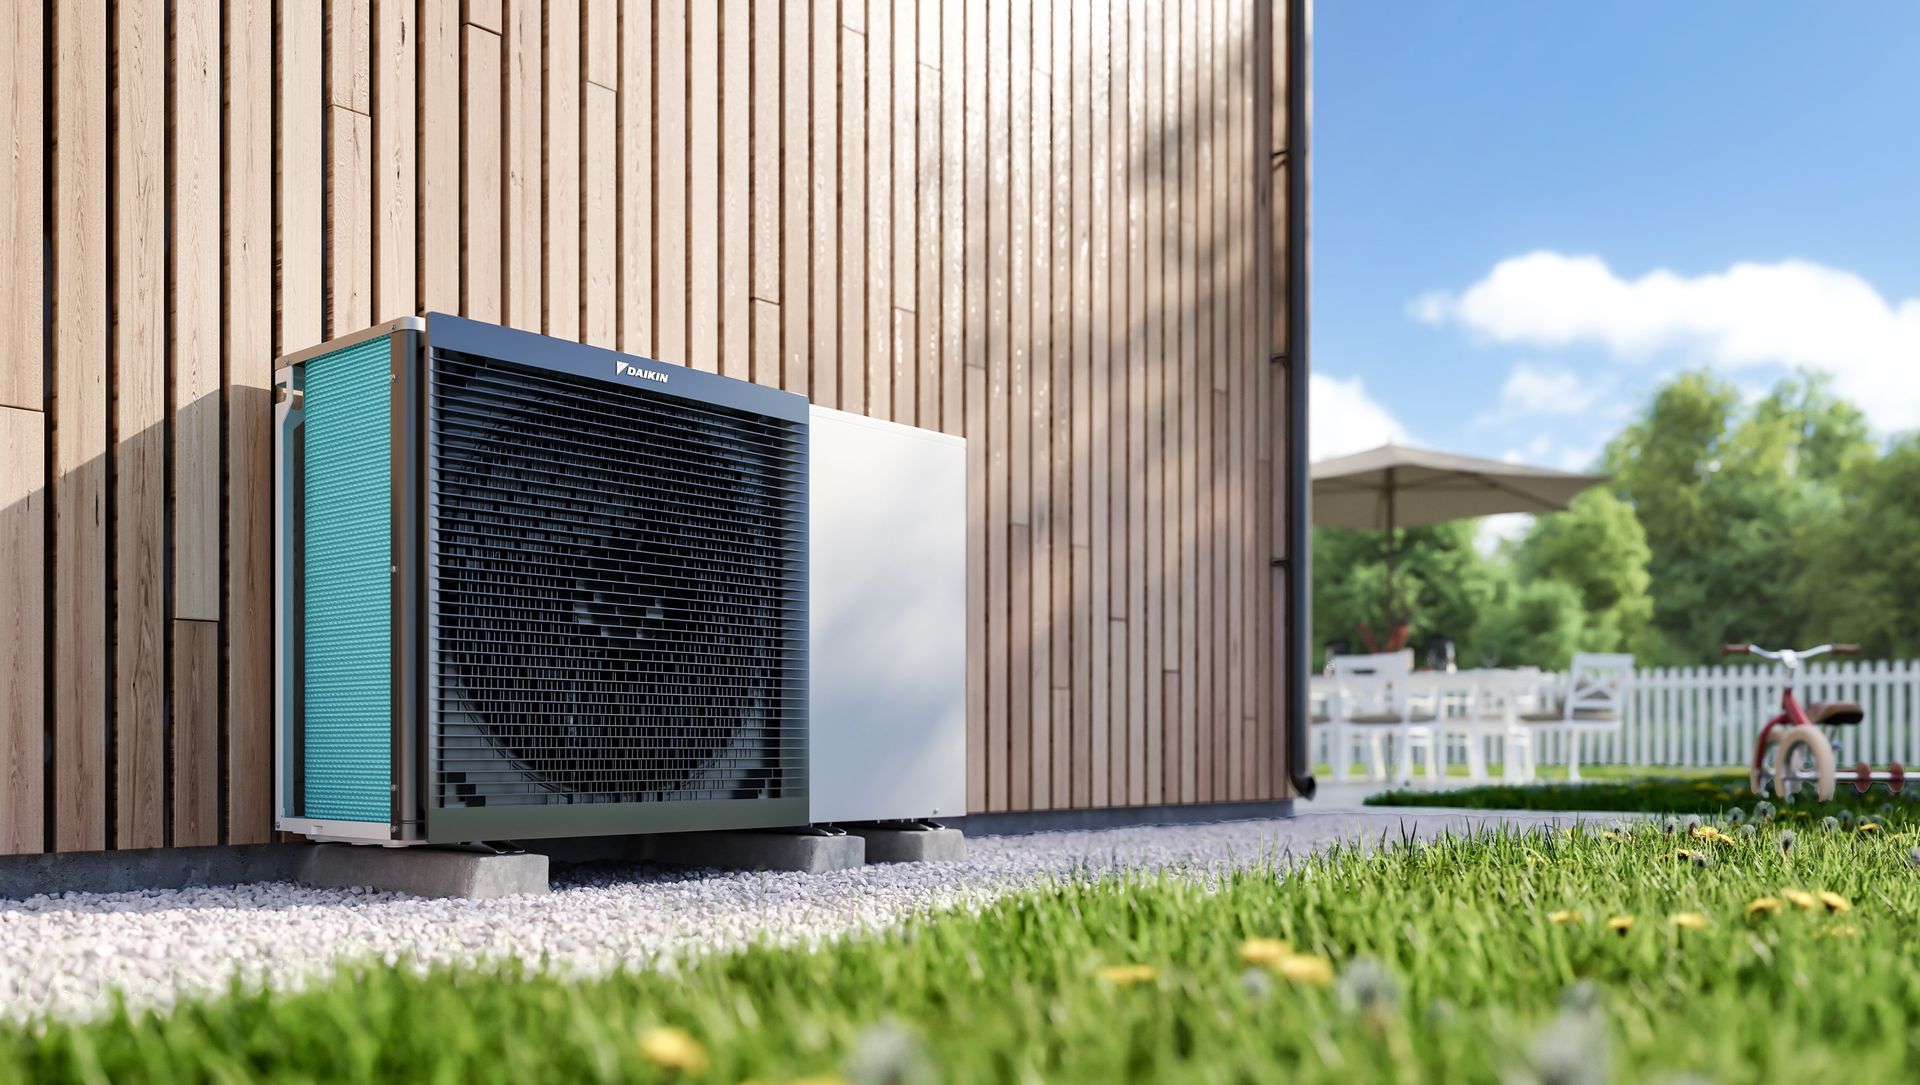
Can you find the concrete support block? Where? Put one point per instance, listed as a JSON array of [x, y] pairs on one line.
[[424, 872], [912, 845], [804, 853]]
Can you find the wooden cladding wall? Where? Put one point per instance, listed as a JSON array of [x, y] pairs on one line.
[[1048, 227]]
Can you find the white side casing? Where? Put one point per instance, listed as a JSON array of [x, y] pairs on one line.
[[887, 614]]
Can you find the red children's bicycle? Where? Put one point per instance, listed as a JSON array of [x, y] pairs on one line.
[[1800, 742]]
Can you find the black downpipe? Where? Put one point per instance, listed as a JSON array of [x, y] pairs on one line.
[[1298, 493]]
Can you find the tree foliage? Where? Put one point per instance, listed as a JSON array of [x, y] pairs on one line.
[[1776, 519]]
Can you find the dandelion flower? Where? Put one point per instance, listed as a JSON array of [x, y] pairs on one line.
[[1834, 901], [1689, 921], [673, 1048], [890, 1052], [1787, 841], [1799, 898], [1704, 832], [1913, 857], [1763, 811], [1256, 983], [1265, 952], [1830, 824], [1868, 827], [1306, 968], [1846, 819], [1843, 930], [1748, 832], [1367, 986], [1620, 924], [1764, 906], [1670, 827], [1736, 816], [1691, 822], [1561, 918], [1609, 835], [1126, 975]]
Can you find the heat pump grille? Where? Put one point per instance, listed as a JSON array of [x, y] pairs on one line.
[[618, 592]]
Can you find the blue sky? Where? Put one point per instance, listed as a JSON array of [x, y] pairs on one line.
[[1526, 213]]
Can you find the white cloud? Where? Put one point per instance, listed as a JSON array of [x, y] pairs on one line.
[[1494, 530], [1343, 419], [1788, 314], [1536, 390]]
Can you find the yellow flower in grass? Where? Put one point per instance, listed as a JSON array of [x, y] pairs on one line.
[[819, 1079], [1688, 921], [1126, 975], [1705, 832], [1799, 898], [1306, 968], [1609, 835], [1620, 924], [1264, 952], [1868, 827], [1764, 906], [1834, 901], [1562, 918], [1842, 930], [674, 1049]]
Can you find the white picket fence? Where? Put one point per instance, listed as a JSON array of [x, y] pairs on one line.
[[1710, 716]]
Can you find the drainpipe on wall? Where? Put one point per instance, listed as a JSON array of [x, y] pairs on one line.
[[1299, 584]]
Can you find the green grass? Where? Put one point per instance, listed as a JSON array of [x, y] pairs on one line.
[[1448, 967], [1458, 771], [1693, 794]]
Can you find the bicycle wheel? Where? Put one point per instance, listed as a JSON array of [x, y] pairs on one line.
[[1804, 751]]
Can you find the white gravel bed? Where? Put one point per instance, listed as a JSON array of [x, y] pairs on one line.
[[64, 955]]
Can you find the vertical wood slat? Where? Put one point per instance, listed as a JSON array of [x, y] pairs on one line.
[[636, 177], [299, 174], [904, 127], [1069, 353], [796, 198], [439, 161], [138, 441], [599, 230], [765, 182], [193, 302], [79, 418], [670, 181], [523, 240], [703, 186], [876, 88], [23, 464], [395, 137], [824, 194], [23, 655], [247, 321], [561, 99], [349, 106], [482, 184], [196, 733], [853, 216], [735, 164]]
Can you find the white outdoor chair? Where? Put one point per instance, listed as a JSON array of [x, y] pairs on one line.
[[1593, 700], [1498, 703], [1456, 699], [1371, 702]]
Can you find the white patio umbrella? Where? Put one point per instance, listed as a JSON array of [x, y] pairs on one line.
[[1394, 486]]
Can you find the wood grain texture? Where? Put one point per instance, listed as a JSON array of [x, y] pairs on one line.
[[671, 227], [79, 419], [23, 616], [560, 98], [22, 205], [439, 163], [877, 204], [735, 143], [193, 303], [635, 163], [300, 173], [705, 231], [482, 175], [247, 295], [823, 175], [138, 442], [853, 293], [599, 233], [522, 243], [796, 197], [350, 221], [395, 139], [196, 734]]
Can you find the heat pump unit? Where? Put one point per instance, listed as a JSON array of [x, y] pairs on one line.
[[888, 620], [530, 588]]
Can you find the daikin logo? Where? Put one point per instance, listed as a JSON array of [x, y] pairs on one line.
[[622, 369]]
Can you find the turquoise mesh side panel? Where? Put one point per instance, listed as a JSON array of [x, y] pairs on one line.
[[348, 633]]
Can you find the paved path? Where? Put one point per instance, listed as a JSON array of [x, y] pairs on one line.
[[62, 955]]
